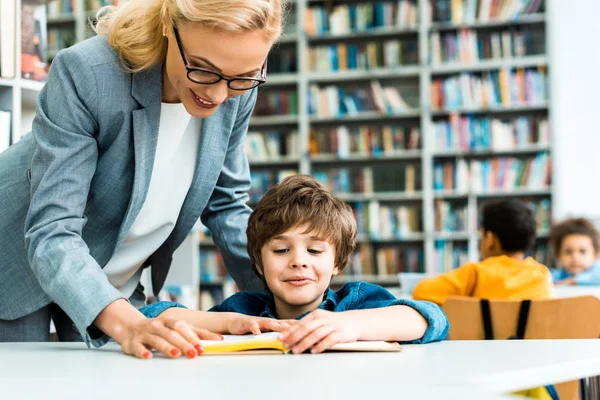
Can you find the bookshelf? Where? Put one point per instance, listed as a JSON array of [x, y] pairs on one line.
[[393, 149], [522, 53]]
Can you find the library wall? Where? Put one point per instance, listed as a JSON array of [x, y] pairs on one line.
[[575, 82]]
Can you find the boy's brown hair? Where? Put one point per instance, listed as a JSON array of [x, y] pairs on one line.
[[573, 226], [296, 201]]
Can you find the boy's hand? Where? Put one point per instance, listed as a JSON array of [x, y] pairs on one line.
[[240, 324], [567, 281], [320, 330]]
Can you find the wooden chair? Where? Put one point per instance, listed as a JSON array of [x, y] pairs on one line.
[[563, 318]]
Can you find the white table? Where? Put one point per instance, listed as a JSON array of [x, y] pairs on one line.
[[572, 291], [460, 369]]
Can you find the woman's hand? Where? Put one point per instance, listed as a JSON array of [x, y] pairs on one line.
[[138, 335], [239, 324], [320, 330], [169, 336]]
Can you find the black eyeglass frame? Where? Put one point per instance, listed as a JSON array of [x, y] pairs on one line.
[[218, 77]]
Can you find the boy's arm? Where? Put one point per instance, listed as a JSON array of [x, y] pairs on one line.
[[368, 312], [236, 315], [558, 274], [458, 282], [394, 323], [589, 277], [225, 322]]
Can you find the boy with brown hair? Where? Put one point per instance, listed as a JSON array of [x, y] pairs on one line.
[[507, 233], [575, 246], [299, 237]]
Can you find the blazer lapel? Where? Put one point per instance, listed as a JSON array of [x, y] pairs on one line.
[[147, 90]]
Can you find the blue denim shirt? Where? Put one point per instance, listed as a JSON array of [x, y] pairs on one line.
[[588, 277], [352, 296]]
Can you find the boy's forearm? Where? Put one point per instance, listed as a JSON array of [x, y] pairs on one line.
[[213, 321], [395, 323]]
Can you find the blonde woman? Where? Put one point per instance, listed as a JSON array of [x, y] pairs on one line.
[[139, 132]]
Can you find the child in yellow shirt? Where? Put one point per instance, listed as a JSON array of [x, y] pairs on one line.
[[507, 233]]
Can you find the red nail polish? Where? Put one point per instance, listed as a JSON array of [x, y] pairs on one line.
[[147, 355], [191, 353], [198, 347], [175, 353], [200, 351]]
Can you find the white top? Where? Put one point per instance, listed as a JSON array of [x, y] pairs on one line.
[[172, 173], [479, 369]]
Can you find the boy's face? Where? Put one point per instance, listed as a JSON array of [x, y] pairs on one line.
[[298, 268], [577, 253]]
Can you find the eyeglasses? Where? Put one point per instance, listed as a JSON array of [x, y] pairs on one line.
[[205, 76]]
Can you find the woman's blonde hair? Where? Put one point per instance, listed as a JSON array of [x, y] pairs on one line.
[[134, 28]]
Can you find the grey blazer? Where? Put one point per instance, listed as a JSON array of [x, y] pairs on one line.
[[70, 190]]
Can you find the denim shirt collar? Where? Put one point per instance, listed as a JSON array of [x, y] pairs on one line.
[[329, 303]]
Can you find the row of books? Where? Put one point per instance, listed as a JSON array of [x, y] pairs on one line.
[[61, 7], [264, 180], [387, 221], [271, 145], [450, 216], [467, 132], [496, 174], [212, 266], [448, 255], [467, 11], [351, 180], [542, 210], [455, 216], [469, 46], [506, 87], [347, 18], [384, 260], [376, 141], [33, 40], [280, 102], [60, 38], [381, 54], [334, 101], [283, 60]]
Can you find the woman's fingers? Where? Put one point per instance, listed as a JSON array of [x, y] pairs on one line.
[[137, 349], [187, 333], [168, 331], [161, 345], [204, 334]]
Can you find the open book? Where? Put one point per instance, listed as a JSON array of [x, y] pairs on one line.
[[268, 343]]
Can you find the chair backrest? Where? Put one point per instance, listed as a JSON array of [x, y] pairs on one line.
[[563, 318]]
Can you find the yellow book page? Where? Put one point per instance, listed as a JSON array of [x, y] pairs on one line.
[[245, 343]]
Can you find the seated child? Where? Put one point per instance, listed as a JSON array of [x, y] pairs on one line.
[[507, 233], [299, 237], [575, 245]]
